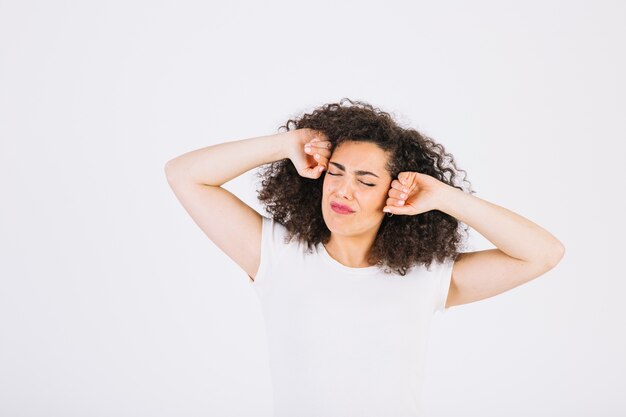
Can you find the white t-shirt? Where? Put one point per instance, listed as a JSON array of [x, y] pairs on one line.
[[343, 341]]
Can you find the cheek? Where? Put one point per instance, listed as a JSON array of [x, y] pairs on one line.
[[380, 200], [327, 187]]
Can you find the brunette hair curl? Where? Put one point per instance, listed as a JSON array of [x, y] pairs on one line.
[[295, 201]]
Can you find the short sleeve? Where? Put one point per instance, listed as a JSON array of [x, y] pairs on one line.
[[273, 236], [442, 286]]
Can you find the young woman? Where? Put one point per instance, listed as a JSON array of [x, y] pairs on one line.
[[362, 245]]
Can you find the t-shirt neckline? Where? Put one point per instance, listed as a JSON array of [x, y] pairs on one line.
[[367, 270]]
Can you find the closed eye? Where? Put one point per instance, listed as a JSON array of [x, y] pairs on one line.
[[369, 185]]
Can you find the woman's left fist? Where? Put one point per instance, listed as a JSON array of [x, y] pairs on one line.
[[413, 193]]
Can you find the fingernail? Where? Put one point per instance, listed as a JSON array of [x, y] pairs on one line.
[[400, 202], [405, 190], [320, 169], [317, 156], [402, 195]]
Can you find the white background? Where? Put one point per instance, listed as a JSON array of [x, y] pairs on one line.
[[114, 303]]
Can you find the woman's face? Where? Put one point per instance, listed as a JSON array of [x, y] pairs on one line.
[[356, 178]]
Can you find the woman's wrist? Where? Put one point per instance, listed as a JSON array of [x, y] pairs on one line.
[[294, 141]]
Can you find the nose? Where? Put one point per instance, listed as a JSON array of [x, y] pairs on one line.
[[344, 188]]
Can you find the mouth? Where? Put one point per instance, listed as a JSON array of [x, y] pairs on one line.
[[340, 208]]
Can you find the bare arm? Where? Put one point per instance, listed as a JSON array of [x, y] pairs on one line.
[[524, 250], [218, 164], [516, 236], [196, 178]]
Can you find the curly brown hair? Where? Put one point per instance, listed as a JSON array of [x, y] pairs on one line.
[[295, 201]]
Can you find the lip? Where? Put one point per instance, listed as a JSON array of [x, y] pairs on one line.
[[340, 208]]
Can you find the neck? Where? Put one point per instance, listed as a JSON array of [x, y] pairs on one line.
[[350, 251]]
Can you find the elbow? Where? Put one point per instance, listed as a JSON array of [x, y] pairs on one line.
[[556, 254], [169, 170]]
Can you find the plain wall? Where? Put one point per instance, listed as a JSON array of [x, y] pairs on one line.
[[114, 303]]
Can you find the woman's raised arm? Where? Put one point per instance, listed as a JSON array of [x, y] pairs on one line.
[[218, 164], [196, 178]]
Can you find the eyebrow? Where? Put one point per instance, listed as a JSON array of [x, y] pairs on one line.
[[357, 172]]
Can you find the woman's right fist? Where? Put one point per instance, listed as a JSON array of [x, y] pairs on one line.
[[312, 150]]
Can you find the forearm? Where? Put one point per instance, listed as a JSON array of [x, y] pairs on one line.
[[217, 164], [511, 233]]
